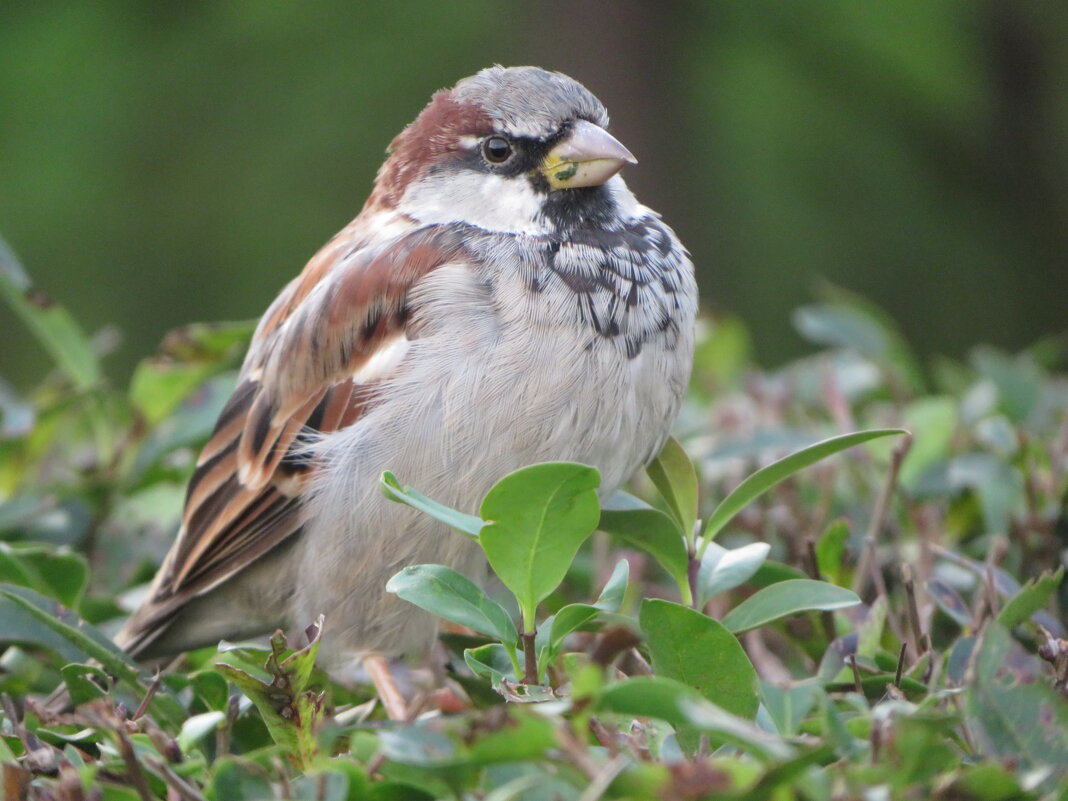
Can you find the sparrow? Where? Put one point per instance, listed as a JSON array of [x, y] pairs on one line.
[[501, 299]]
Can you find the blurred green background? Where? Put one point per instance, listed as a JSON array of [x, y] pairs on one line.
[[168, 162]]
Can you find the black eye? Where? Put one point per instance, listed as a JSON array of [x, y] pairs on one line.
[[496, 149]]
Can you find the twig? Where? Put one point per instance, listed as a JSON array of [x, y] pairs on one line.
[[638, 661], [223, 733], [856, 674], [868, 566], [576, 752], [920, 640], [605, 776], [150, 693], [603, 735], [769, 666], [39, 757], [184, 789], [986, 599], [900, 664], [135, 773]]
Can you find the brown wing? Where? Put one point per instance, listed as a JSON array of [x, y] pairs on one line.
[[299, 376]]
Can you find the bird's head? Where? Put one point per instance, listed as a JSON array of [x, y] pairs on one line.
[[519, 150]]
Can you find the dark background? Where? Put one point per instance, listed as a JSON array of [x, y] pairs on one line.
[[168, 162]]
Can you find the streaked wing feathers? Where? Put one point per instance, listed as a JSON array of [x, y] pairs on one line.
[[298, 379]]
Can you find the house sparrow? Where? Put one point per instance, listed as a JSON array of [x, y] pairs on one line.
[[502, 299]]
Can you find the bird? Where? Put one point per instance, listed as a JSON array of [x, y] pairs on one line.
[[501, 299]]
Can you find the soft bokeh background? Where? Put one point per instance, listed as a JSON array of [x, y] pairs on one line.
[[168, 162]]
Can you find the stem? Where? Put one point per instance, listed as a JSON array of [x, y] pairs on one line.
[[530, 656], [704, 541], [689, 592]]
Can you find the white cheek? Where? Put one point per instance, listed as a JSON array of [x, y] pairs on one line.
[[628, 206], [507, 205]]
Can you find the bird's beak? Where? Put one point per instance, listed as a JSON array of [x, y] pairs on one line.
[[589, 156]]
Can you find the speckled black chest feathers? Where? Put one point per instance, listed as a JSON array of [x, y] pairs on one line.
[[626, 283]]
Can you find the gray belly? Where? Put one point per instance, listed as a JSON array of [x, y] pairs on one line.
[[452, 432]]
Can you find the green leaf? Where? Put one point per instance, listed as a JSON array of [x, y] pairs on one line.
[[289, 709], [932, 421], [419, 745], [528, 736], [1008, 711], [1031, 598], [239, 780], [28, 605], [870, 632], [280, 714], [722, 569], [840, 327], [615, 589], [949, 601], [987, 782], [681, 706], [300, 664], [50, 323], [84, 682], [650, 697], [196, 727], [998, 484], [158, 386], [536, 519], [568, 619], [211, 689], [673, 474], [788, 706], [830, 548], [490, 662], [851, 321], [1017, 377], [446, 593], [458, 521], [655, 533], [767, 477], [698, 651], [207, 342], [56, 572], [784, 599]]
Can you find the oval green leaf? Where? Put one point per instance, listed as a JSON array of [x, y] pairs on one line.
[[787, 598], [653, 532], [690, 647], [724, 569], [536, 519], [446, 593]]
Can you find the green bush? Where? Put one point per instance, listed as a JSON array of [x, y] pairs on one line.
[[756, 620]]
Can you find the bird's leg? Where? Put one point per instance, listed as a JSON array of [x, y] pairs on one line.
[[377, 667]]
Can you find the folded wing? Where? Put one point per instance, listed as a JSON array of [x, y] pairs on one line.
[[305, 373]]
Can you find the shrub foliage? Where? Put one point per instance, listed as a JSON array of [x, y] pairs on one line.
[[842, 580]]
